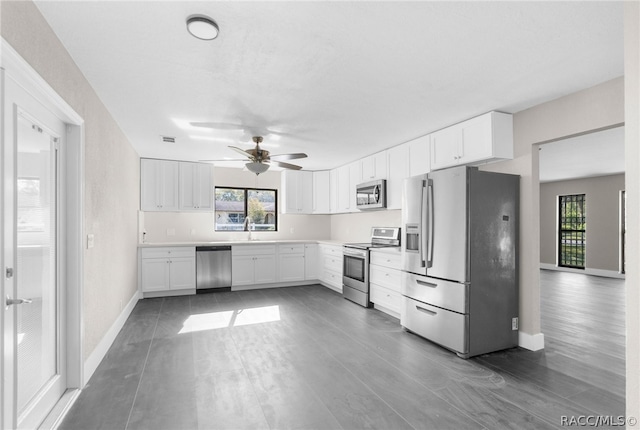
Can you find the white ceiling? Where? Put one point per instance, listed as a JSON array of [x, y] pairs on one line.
[[342, 79], [594, 154]]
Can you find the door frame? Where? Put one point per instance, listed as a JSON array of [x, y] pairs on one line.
[[72, 166]]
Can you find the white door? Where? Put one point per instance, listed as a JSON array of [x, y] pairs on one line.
[[33, 361]]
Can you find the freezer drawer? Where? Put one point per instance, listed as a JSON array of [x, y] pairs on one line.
[[441, 326], [444, 294]]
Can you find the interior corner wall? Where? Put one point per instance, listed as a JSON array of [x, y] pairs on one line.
[[111, 173], [591, 109], [602, 196]]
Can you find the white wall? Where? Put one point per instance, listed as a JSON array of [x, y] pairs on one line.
[[111, 173]]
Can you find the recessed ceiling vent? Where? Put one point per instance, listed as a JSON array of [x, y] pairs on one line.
[[168, 139]]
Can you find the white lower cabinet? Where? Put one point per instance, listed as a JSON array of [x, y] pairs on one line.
[[292, 262], [167, 269], [385, 279], [311, 261], [297, 262], [330, 266], [253, 264]]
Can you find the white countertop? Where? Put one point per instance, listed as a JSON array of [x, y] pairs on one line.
[[235, 242]]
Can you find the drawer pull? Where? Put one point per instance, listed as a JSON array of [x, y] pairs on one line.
[[426, 284], [426, 311]]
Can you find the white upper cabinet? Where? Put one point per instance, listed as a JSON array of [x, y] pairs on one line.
[[322, 192], [482, 139], [398, 166], [355, 178], [374, 167], [343, 189], [196, 186], [333, 190], [297, 189], [159, 181], [419, 159]]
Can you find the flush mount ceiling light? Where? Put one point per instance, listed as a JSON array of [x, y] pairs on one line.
[[202, 27], [257, 168]]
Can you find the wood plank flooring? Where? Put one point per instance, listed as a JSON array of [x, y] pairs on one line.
[[304, 357]]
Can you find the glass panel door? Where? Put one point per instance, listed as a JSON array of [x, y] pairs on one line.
[[36, 273]]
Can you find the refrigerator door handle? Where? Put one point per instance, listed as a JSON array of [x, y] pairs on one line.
[[426, 311], [424, 239], [426, 284], [430, 216]]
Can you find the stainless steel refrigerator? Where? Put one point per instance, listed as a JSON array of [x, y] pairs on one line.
[[460, 259]]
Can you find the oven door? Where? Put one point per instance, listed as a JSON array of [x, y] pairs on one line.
[[355, 269]]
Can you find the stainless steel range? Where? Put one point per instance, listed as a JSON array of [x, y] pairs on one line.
[[355, 273]]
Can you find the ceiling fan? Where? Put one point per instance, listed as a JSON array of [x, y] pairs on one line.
[[260, 159]]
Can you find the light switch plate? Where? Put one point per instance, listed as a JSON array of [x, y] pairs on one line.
[[90, 241]]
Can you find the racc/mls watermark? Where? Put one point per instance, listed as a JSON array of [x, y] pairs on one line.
[[597, 421]]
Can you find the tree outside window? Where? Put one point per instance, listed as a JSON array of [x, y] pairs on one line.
[[234, 205]]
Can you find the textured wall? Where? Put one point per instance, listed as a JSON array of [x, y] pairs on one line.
[[111, 173], [632, 168], [602, 196]]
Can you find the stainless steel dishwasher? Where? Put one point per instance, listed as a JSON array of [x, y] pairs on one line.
[[213, 268]]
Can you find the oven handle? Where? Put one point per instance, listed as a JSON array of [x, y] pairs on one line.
[[354, 253]]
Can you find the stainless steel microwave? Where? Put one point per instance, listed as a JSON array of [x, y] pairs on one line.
[[372, 195]]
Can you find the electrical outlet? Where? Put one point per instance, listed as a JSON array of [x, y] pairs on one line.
[[90, 241], [193, 232], [171, 232], [291, 230], [514, 323]]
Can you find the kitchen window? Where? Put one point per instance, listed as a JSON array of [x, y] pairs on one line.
[[572, 232], [234, 205]]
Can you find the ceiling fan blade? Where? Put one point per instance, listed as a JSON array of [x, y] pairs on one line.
[[218, 125], [246, 153], [278, 157], [225, 159], [286, 165]]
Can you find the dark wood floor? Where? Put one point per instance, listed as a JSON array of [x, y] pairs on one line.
[[304, 357]]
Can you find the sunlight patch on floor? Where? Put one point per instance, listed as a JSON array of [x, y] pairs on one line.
[[234, 318]]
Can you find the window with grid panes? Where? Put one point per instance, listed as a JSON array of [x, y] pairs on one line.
[[572, 231]]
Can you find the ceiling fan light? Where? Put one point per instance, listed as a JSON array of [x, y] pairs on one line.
[[202, 27], [257, 168]]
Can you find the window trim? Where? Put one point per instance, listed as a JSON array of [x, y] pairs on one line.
[[246, 204]]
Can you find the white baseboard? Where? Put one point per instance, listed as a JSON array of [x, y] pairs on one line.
[[92, 363], [532, 342], [585, 271], [273, 285]]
